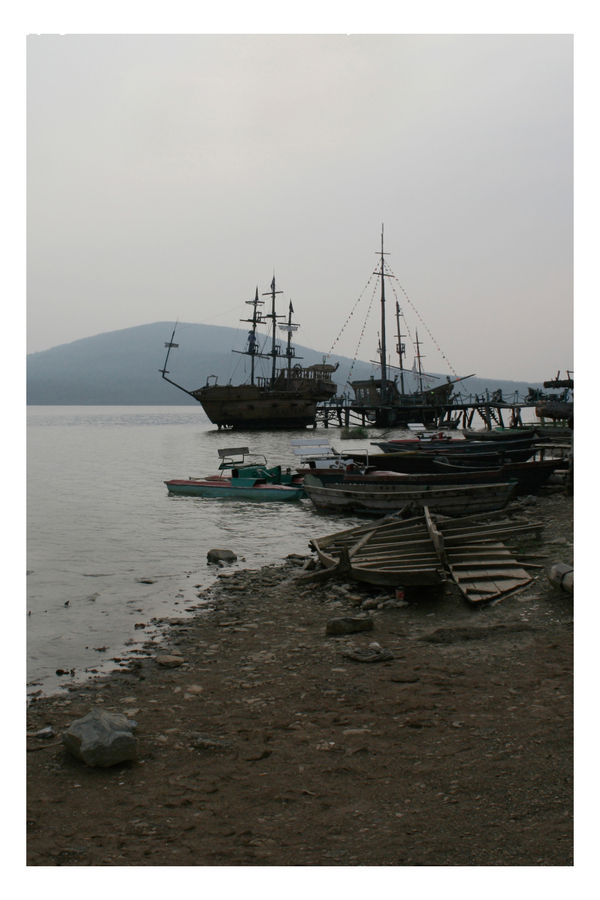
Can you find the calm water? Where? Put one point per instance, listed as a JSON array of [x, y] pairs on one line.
[[99, 519]]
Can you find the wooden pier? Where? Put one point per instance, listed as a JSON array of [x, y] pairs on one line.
[[493, 413]]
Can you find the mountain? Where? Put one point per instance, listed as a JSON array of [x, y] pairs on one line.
[[121, 368]]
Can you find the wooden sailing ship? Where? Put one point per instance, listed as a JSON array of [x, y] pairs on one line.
[[285, 398], [386, 400]]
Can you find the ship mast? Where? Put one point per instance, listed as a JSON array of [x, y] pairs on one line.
[[400, 346], [273, 316], [382, 346], [255, 320], [418, 346], [290, 327]]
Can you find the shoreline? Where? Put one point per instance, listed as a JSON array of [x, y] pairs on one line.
[[264, 744]]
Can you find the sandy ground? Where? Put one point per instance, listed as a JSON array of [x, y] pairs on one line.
[[267, 746]]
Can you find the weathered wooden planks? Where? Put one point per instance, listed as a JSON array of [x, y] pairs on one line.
[[423, 549]]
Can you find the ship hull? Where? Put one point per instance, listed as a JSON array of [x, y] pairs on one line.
[[250, 408]]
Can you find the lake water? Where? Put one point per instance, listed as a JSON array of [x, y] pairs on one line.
[[100, 520]]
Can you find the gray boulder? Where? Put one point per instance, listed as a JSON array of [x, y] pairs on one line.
[[101, 738], [221, 556]]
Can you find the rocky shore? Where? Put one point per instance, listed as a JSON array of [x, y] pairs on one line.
[[438, 735]]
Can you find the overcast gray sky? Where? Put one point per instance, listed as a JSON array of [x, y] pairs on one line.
[[168, 176]]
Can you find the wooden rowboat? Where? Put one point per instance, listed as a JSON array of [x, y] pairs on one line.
[[446, 448], [528, 475], [378, 499], [413, 461]]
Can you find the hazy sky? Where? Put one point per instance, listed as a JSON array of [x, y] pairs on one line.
[[168, 176]]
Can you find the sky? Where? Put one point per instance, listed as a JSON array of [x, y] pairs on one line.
[[168, 176]]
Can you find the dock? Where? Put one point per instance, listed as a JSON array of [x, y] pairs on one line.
[[341, 412]]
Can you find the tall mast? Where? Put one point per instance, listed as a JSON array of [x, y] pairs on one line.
[[255, 320], [400, 346], [418, 346], [289, 352], [273, 316], [382, 346]]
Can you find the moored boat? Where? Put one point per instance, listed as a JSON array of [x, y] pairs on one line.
[[529, 475], [252, 480], [454, 446], [379, 499], [499, 434], [425, 461]]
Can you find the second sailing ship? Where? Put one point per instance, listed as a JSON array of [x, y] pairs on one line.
[[386, 402]]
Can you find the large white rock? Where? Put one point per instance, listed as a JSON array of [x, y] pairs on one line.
[[101, 738]]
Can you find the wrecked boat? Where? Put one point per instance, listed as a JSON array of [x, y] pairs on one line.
[[423, 551]]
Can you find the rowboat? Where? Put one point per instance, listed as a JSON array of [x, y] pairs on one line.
[[454, 446], [528, 475], [445, 476], [378, 499], [499, 434], [246, 481], [425, 461], [420, 552]]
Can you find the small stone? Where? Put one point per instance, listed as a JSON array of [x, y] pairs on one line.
[[168, 661], [371, 603], [371, 654], [45, 733], [348, 625], [204, 742], [192, 691]]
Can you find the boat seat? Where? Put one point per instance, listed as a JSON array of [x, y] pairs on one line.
[[233, 451]]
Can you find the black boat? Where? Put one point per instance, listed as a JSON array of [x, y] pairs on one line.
[[409, 461]]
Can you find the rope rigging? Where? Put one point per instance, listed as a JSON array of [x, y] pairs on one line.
[[351, 313], [393, 278], [363, 327], [420, 318]]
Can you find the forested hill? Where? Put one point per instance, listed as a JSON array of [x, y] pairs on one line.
[[122, 367]]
